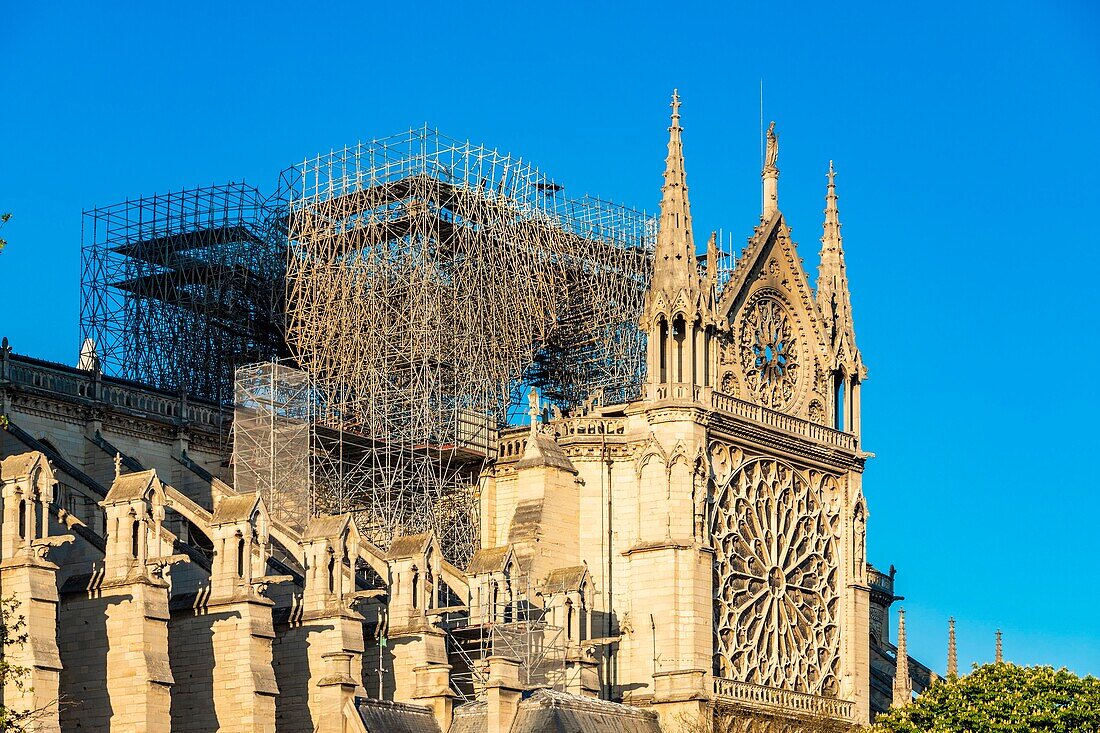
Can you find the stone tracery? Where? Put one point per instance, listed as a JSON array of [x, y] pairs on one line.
[[776, 580], [769, 353]]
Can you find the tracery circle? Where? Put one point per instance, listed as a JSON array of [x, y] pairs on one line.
[[776, 573], [769, 353]]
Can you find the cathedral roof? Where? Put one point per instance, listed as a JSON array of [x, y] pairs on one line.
[[20, 466], [131, 486], [488, 560], [325, 526], [551, 710], [566, 579], [235, 508], [412, 545], [383, 716]]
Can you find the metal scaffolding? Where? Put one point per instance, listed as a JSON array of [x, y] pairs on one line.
[[422, 283], [429, 283], [273, 439], [180, 289]]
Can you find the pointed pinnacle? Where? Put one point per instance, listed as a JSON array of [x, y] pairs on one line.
[[952, 653], [1000, 650], [675, 107], [903, 685]]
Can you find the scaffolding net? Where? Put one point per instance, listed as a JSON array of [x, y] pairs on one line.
[[429, 283], [180, 289], [272, 439]]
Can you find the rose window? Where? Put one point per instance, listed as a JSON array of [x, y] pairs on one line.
[[776, 601], [769, 354]]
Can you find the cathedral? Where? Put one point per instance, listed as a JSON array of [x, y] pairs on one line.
[[696, 553]]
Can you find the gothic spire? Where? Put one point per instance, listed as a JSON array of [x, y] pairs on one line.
[[952, 654], [903, 686], [1000, 650], [833, 297], [674, 265]]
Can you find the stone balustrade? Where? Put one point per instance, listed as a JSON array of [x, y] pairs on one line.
[[117, 393], [726, 690], [789, 423]]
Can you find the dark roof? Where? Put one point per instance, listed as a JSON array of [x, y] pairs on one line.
[[383, 716], [549, 711]]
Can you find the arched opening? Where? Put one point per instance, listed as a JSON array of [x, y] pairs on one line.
[[582, 620], [331, 573], [415, 587], [706, 356], [679, 334], [569, 620], [240, 557], [839, 399], [494, 600], [135, 538], [22, 519], [662, 357]]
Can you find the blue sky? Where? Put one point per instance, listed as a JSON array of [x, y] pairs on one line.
[[966, 140]]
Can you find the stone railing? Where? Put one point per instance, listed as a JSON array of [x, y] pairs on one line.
[[145, 401], [784, 700], [880, 582], [570, 426], [788, 423]]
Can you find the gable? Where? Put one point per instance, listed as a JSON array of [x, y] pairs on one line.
[[775, 352]]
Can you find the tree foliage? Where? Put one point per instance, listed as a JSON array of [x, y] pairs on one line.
[[12, 633], [3, 220], [1001, 697]]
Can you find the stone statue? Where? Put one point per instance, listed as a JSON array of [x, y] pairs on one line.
[[533, 408], [772, 151], [860, 540]]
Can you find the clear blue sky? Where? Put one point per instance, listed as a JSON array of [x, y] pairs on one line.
[[967, 140]]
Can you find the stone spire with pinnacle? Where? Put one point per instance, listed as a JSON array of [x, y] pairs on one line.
[[903, 686], [679, 313], [833, 297], [674, 258], [1000, 649], [952, 653]]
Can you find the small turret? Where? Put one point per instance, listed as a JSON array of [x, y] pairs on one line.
[[999, 652]]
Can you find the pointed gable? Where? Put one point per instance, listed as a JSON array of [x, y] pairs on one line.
[[776, 351]]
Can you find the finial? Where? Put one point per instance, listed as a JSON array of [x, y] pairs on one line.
[[118, 464], [533, 409], [832, 174], [1000, 650], [675, 107]]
